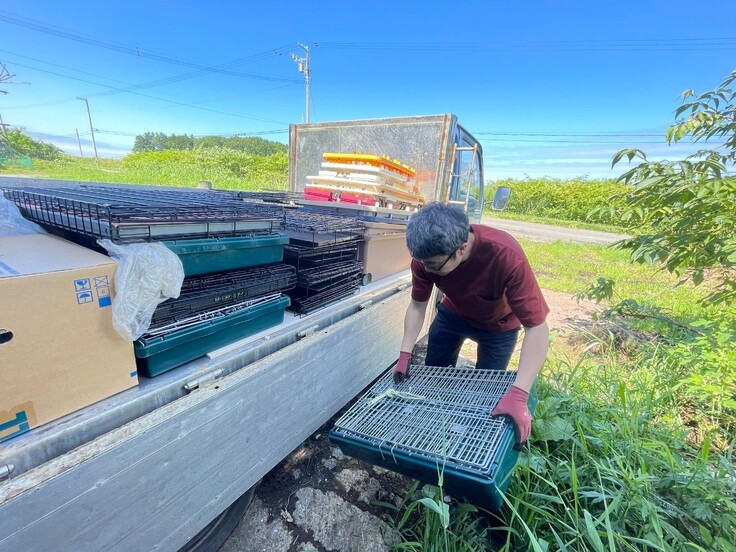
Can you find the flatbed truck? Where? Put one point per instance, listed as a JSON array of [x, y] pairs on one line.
[[172, 463]]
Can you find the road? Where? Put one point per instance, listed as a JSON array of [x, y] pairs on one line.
[[547, 233]]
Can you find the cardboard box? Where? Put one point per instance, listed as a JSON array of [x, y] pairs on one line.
[[383, 250], [58, 349]]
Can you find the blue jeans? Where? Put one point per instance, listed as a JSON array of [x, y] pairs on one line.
[[448, 332]]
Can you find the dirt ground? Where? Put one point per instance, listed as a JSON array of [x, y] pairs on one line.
[[319, 465]]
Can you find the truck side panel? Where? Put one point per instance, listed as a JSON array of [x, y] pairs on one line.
[[103, 495]]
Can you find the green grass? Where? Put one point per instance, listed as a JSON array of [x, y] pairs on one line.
[[72, 168], [572, 268], [610, 466], [541, 219], [225, 169]]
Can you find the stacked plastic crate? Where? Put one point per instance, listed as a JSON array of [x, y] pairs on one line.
[[383, 248], [365, 179], [231, 252], [324, 251]]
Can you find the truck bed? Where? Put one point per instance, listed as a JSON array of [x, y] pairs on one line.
[[152, 466]]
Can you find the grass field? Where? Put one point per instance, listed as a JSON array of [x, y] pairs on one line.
[[228, 170]]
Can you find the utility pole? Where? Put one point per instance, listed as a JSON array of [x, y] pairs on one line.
[[303, 64], [3, 126], [80, 143], [92, 130]]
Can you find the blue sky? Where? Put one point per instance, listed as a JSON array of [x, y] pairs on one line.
[[550, 88]]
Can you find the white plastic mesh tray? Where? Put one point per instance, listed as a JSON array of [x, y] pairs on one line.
[[439, 413]]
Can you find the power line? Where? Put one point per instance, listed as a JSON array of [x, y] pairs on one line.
[[39, 26], [624, 134], [131, 88], [237, 134], [263, 132], [182, 104], [652, 44], [612, 143]]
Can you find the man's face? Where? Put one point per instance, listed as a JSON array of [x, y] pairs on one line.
[[440, 264]]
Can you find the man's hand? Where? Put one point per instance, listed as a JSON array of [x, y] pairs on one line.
[[513, 405], [401, 370]]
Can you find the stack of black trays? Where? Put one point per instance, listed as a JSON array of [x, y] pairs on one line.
[[201, 294], [324, 251], [287, 198]]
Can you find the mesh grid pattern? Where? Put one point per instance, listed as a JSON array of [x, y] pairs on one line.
[[126, 214], [166, 327], [202, 293], [446, 419]]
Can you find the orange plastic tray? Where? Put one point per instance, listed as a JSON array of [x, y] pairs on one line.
[[368, 159]]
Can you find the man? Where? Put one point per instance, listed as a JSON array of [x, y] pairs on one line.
[[489, 292]]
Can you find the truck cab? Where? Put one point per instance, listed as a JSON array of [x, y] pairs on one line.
[[447, 159], [465, 188]]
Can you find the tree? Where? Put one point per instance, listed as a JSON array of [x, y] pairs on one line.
[[684, 211], [159, 141], [32, 148]]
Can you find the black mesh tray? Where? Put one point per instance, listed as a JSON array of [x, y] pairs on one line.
[[202, 293], [437, 420], [315, 229], [304, 302], [323, 277], [125, 214], [306, 257]]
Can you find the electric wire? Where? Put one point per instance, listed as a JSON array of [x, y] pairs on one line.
[[37, 25]]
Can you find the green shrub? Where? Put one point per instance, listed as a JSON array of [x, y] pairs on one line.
[[159, 141], [25, 145], [225, 168], [571, 200], [684, 211]]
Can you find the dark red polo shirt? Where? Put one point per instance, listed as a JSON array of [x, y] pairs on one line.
[[494, 289]]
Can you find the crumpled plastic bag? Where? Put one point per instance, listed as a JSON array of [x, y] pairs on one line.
[[147, 274], [12, 222]]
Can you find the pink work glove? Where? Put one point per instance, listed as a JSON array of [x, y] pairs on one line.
[[401, 370], [513, 405]]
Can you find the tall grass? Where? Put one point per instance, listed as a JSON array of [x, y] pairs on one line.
[[570, 200], [611, 467], [224, 168]]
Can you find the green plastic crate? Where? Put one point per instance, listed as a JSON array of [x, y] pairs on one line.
[[446, 426], [207, 255], [155, 355]]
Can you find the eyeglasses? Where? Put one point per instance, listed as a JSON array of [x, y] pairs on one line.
[[439, 268]]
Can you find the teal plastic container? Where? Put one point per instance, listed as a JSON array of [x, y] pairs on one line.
[[157, 355], [477, 488], [207, 255], [375, 429]]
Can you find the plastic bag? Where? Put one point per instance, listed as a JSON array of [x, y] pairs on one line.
[[12, 222], [147, 274]]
